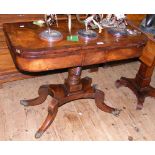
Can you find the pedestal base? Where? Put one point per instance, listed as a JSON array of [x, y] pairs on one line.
[[141, 93], [63, 93]]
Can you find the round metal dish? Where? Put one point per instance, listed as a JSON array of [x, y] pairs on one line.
[[51, 35], [117, 32], [89, 34]]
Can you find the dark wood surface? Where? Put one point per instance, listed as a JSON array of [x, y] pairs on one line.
[[32, 54], [140, 85], [8, 71]]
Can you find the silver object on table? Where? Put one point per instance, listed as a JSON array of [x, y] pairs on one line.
[[49, 34]]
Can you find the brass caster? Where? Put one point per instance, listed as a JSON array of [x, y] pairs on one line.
[[38, 134], [116, 112], [24, 102]]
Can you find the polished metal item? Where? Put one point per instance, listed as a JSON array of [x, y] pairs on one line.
[[116, 24], [51, 36], [114, 20], [133, 32], [91, 21], [117, 31], [148, 24], [87, 34]]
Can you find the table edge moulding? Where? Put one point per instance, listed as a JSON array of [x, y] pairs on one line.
[[74, 56]]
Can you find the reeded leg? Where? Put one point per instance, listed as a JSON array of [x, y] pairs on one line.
[[43, 93], [74, 88], [52, 111]]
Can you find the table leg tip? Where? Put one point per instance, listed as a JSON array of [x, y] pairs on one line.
[[38, 134], [118, 84], [24, 103], [116, 112], [139, 107]]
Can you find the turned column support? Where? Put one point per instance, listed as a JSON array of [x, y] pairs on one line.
[[73, 82], [74, 88]]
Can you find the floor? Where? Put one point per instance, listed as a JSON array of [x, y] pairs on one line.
[[78, 120]]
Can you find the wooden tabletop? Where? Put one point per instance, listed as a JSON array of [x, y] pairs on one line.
[[31, 53]]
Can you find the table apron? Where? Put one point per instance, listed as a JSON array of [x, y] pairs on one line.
[[79, 59], [111, 55]]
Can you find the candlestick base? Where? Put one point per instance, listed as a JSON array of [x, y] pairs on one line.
[[117, 31], [87, 34], [51, 35]]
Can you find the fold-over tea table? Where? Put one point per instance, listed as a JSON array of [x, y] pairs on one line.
[[31, 53]]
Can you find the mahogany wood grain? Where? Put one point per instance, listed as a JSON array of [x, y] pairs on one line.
[[33, 54], [74, 88], [6, 71], [136, 19], [140, 85], [30, 53]]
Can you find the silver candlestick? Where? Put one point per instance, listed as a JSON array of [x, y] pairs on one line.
[[49, 34], [86, 33]]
